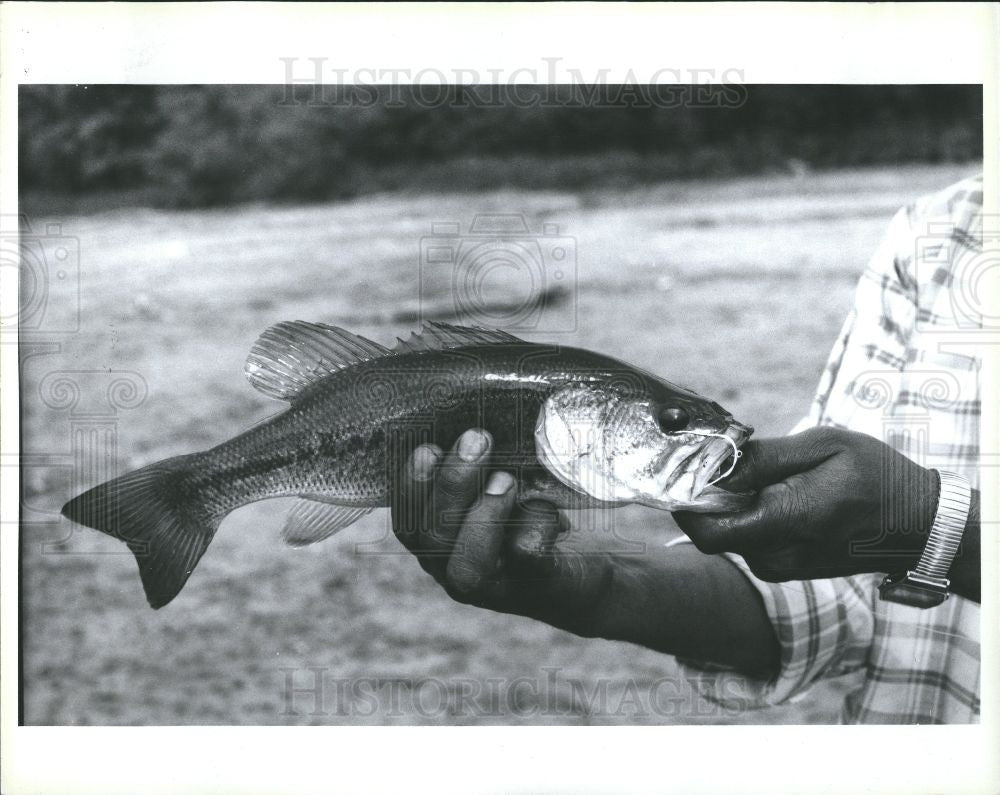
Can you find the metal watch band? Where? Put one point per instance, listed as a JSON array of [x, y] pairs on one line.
[[948, 527]]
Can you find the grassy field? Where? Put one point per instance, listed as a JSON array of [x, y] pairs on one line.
[[734, 288]]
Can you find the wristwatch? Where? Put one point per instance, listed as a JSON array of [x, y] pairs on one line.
[[927, 584]]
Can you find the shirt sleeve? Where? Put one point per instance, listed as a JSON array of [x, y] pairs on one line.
[[828, 627], [874, 334], [824, 628]]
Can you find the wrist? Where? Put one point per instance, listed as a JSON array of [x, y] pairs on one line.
[[927, 498], [617, 600], [589, 603], [906, 517], [926, 584]]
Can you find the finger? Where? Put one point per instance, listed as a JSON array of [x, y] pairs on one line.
[[767, 461], [457, 484], [409, 498], [772, 517], [710, 532], [473, 568]]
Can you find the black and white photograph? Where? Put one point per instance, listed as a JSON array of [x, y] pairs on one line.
[[360, 398]]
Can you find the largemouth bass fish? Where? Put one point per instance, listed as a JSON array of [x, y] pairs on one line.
[[577, 428]]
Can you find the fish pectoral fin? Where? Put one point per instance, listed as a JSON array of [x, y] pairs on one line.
[[310, 521], [441, 336], [290, 356]]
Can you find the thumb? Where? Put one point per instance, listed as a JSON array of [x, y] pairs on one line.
[[768, 461], [535, 526], [546, 580]]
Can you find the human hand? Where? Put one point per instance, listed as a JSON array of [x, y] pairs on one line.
[[488, 550], [831, 503]]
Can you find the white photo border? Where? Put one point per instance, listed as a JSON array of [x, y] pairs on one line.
[[244, 43]]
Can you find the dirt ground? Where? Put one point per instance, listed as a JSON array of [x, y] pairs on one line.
[[734, 288]]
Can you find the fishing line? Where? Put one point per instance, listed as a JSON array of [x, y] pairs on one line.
[[737, 454]]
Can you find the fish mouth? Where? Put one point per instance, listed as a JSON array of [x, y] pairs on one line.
[[711, 461], [718, 456]]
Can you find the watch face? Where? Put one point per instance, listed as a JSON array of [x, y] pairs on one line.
[[906, 593]]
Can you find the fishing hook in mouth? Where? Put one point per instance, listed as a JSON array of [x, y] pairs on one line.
[[737, 454], [682, 466]]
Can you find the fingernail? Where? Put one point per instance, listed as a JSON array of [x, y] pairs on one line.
[[424, 461], [499, 483], [472, 445]]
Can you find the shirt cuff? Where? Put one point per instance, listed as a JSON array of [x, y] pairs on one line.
[[824, 628]]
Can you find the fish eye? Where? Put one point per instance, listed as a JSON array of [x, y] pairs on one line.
[[673, 418]]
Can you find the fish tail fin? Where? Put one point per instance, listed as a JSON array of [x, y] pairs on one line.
[[161, 519]]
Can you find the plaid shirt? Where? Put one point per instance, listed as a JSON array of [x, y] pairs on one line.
[[892, 375]]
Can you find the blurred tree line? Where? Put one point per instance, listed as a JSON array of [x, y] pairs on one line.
[[195, 146]]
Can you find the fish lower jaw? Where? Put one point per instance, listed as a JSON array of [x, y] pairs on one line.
[[684, 489], [706, 466]]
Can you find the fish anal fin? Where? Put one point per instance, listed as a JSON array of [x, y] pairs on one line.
[[310, 521], [290, 356]]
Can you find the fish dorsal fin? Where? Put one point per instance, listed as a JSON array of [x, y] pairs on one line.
[[310, 521], [439, 336], [290, 356]]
